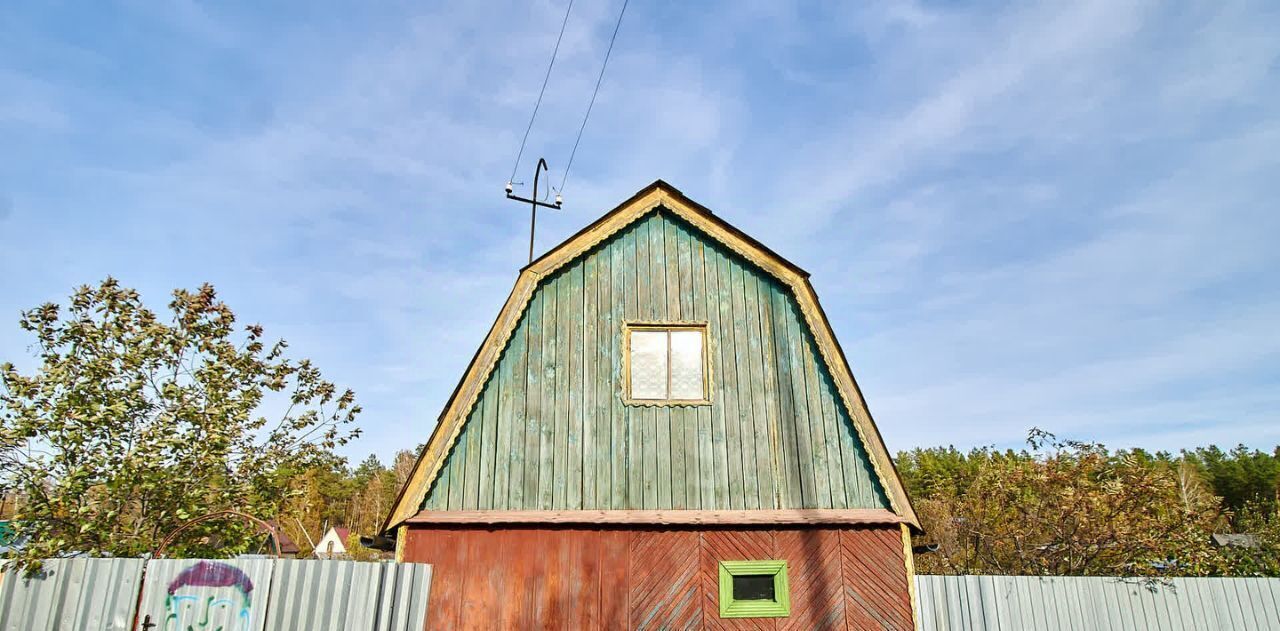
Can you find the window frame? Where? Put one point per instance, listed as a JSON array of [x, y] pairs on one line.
[[666, 326], [779, 607]]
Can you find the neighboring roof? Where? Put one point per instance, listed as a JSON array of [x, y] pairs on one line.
[[1224, 540], [342, 533], [452, 418], [287, 546]]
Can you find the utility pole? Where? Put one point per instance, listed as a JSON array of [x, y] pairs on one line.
[[533, 202]]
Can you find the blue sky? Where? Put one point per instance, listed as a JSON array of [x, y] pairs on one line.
[[1061, 215]]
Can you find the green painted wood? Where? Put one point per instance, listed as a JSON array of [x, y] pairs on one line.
[[550, 431], [721, 476], [706, 476], [788, 456], [743, 393], [729, 399], [590, 361], [552, 387], [620, 459], [533, 399], [675, 417], [764, 439]]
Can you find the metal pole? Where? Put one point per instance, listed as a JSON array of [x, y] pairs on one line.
[[533, 202], [533, 221]]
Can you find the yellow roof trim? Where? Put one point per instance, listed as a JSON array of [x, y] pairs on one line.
[[451, 420]]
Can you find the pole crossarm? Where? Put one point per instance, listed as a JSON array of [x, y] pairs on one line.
[[533, 201]]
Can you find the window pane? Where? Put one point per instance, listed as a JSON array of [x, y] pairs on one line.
[[754, 587], [648, 365], [686, 365]]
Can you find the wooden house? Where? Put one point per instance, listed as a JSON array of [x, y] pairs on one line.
[[333, 545], [659, 431]]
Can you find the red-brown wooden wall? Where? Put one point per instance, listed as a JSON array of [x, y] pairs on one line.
[[565, 578]]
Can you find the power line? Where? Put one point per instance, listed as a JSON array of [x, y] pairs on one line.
[[593, 97], [538, 104]]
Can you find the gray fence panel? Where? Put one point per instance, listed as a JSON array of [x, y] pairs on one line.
[[406, 591], [202, 593], [318, 595], [72, 594], [983, 603]]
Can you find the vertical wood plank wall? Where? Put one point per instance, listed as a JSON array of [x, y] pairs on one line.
[[526, 578], [550, 430]]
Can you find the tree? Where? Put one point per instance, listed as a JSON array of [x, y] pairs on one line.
[[1071, 508], [131, 425]]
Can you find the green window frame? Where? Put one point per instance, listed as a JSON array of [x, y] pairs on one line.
[[730, 607]]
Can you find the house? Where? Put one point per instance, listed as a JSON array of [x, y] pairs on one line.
[[660, 430], [288, 549], [333, 545]]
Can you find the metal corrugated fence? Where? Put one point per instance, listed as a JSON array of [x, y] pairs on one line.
[[1096, 603], [246, 594], [72, 594], [342, 595]]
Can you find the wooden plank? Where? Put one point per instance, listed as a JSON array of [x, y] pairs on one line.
[[483, 498], [762, 423], [482, 580], [831, 437], [660, 465], [446, 551], [707, 475], [551, 388], [602, 414], [571, 443], [753, 517], [731, 394], [788, 460], [828, 446], [457, 470], [769, 364], [619, 468], [588, 418], [719, 409], [643, 417], [813, 572], [534, 393], [615, 579], [674, 416], [567, 314], [437, 497], [796, 350], [817, 435], [509, 470], [664, 587], [742, 364], [688, 418]]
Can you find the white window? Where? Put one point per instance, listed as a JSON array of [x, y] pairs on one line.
[[666, 363]]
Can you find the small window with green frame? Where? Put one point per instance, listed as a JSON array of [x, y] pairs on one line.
[[754, 589]]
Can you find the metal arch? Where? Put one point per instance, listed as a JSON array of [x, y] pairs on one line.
[[264, 525]]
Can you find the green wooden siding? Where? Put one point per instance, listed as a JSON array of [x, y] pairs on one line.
[[550, 430]]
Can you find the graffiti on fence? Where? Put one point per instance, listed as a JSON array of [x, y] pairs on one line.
[[209, 595]]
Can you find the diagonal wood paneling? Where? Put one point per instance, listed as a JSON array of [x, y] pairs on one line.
[[730, 545], [875, 579], [664, 590], [813, 568], [588, 578]]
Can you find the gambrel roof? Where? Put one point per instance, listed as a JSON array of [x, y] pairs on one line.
[[658, 196]]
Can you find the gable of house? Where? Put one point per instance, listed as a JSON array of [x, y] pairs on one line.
[[540, 421]]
